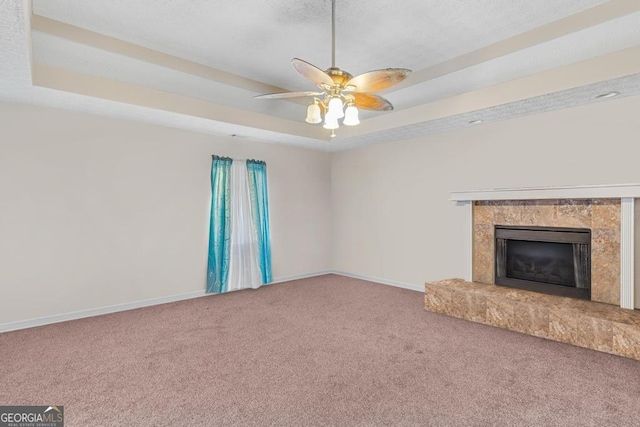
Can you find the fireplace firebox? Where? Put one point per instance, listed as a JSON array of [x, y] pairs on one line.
[[550, 260]]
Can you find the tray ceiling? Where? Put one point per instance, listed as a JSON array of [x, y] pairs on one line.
[[198, 64]]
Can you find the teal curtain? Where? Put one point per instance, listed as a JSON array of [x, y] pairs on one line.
[[257, 171], [219, 226]]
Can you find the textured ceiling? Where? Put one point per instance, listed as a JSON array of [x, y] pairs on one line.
[[489, 59]]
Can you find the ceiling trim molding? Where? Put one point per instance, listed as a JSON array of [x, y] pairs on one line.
[[28, 16]]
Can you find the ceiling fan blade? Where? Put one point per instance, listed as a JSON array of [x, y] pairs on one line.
[[311, 72], [368, 101], [287, 95], [374, 81]]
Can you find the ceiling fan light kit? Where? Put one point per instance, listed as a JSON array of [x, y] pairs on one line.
[[335, 108], [351, 116], [340, 89], [314, 115]]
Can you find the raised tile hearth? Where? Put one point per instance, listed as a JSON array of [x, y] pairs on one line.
[[588, 324]]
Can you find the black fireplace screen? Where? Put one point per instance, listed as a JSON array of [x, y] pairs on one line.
[[549, 260]]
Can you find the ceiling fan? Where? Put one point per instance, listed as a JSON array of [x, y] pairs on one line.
[[339, 88]]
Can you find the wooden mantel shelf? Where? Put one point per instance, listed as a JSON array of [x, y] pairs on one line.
[[614, 191]]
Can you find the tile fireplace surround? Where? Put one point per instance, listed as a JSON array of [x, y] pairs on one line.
[[600, 324], [602, 216]]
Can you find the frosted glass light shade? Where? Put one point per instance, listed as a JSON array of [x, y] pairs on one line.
[[351, 116], [313, 114], [330, 122], [335, 108]]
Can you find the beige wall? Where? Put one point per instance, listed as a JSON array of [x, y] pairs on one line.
[[392, 219], [98, 211]]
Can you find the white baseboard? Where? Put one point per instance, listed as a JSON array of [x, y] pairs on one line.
[[63, 317], [410, 286], [301, 276]]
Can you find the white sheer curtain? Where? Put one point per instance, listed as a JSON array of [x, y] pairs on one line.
[[244, 267]]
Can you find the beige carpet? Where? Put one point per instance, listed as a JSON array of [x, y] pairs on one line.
[[324, 351]]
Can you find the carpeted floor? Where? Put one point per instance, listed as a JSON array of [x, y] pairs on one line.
[[323, 351]]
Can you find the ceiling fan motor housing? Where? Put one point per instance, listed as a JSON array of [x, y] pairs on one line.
[[338, 76]]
